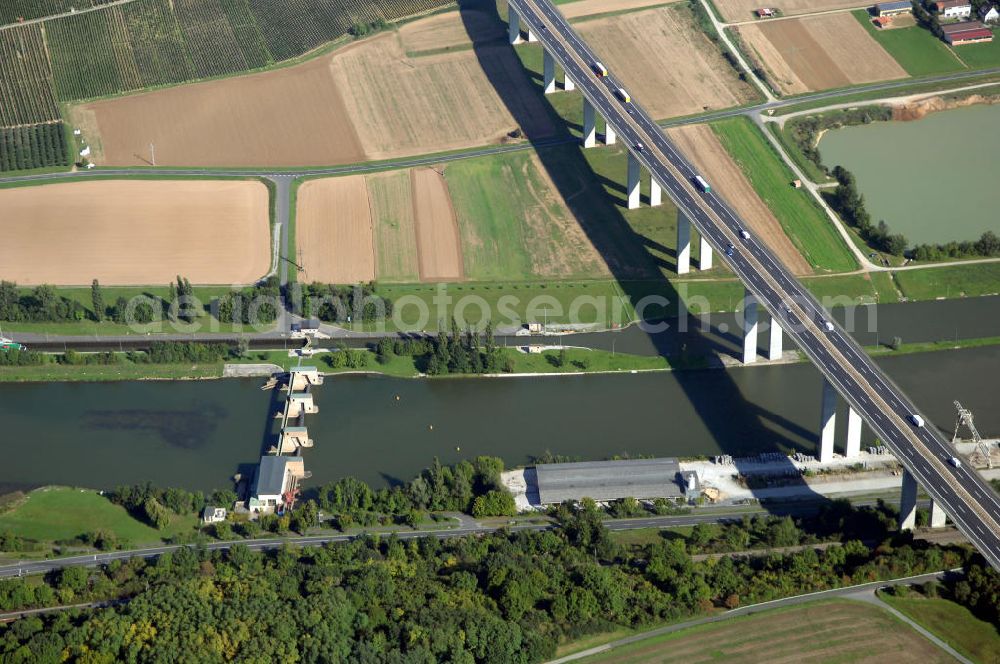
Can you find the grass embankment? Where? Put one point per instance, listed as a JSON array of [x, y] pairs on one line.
[[801, 217], [810, 631], [952, 623], [951, 281], [51, 514], [916, 50], [107, 372]]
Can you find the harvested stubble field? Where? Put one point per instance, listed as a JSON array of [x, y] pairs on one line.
[[819, 52], [701, 144], [743, 10], [451, 30], [135, 232], [589, 7], [397, 226], [836, 631], [333, 230], [447, 101], [665, 60], [287, 117]]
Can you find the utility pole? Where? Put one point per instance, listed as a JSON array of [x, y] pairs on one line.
[[152, 153]]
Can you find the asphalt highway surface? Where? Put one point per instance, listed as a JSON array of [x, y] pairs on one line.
[[966, 497]]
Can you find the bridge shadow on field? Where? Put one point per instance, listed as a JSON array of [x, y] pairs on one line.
[[637, 262]]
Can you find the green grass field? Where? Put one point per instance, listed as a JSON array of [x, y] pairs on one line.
[[980, 56], [951, 281], [810, 632], [916, 50], [952, 623], [58, 513], [513, 225], [801, 217]]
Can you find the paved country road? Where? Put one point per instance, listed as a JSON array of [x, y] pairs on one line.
[[467, 526], [425, 160]]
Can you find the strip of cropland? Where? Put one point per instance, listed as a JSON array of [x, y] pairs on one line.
[[137, 232]]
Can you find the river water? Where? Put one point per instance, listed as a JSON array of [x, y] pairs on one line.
[[197, 434], [933, 179]]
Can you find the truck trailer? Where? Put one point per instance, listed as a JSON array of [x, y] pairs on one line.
[[624, 96]]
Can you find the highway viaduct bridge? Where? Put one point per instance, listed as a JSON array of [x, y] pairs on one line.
[[955, 490]]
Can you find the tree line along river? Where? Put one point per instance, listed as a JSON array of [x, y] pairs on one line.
[[197, 434]]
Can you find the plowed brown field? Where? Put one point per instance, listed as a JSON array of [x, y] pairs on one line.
[[439, 248], [287, 117], [333, 231], [666, 61], [702, 146], [135, 232], [819, 52]]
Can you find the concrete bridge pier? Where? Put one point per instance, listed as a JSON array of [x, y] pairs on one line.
[[853, 448], [938, 515], [634, 170], [750, 329], [609, 134], [775, 339], [589, 124], [908, 502], [568, 83], [827, 421], [705, 257], [655, 192], [513, 26], [683, 243], [549, 72]]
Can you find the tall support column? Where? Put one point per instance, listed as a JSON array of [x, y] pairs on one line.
[[568, 83], [775, 338], [704, 255], [589, 124], [750, 329], [634, 170], [853, 433], [513, 26], [827, 421], [908, 502], [549, 72], [938, 515], [655, 192], [609, 134], [683, 243], [532, 37]]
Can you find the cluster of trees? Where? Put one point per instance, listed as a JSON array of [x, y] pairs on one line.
[[259, 305], [40, 304], [361, 29], [850, 205], [154, 505], [160, 352], [927, 19], [346, 357], [988, 244], [472, 487], [452, 351], [341, 304], [503, 597], [33, 146], [805, 130]]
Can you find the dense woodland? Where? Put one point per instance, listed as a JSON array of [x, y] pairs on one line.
[[497, 598]]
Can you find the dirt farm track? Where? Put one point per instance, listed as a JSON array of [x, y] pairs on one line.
[[135, 232]]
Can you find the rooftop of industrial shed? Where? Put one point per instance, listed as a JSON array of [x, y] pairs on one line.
[[608, 480]]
